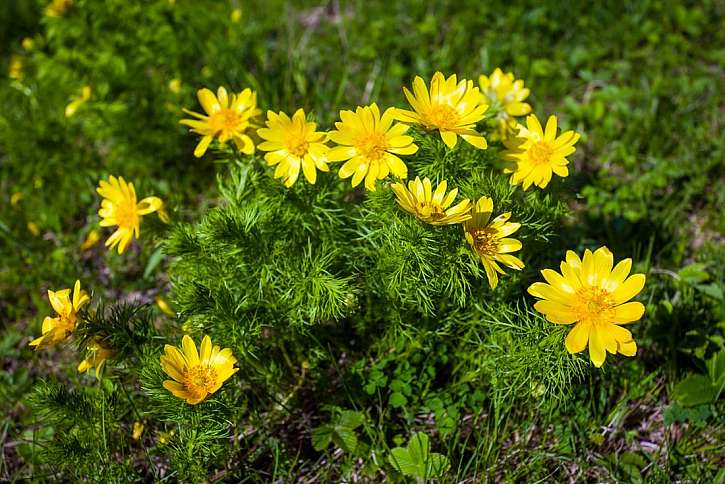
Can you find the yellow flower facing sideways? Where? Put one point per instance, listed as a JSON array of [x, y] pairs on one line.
[[593, 296], [506, 93], [78, 101], [196, 374], [451, 107], [537, 153], [119, 208], [228, 117], [293, 144], [490, 239], [370, 143], [97, 353], [58, 329], [430, 206]]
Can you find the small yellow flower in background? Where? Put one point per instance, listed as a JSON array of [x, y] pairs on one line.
[[451, 107], [196, 374], [228, 117], [91, 239], [28, 43], [506, 93], [537, 153], [78, 101], [175, 86], [489, 238], [591, 294], [33, 228], [58, 8], [165, 437], [138, 428], [293, 144], [164, 306], [420, 200], [236, 15], [119, 208], [15, 198], [15, 68], [98, 353], [370, 143], [58, 329]]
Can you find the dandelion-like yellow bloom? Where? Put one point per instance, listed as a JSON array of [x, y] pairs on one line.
[[78, 101], [490, 239], [98, 353], [591, 294], [119, 208], [228, 117], [58, 8], [370, 143], [58, 329], [537, 153], [451, 107], [430, 206], [507, 94], [293, 144], [196, 374]]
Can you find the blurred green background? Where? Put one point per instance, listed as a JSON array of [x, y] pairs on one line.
[[642, 81]]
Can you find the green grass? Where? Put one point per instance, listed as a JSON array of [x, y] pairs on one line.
[[489, 382]]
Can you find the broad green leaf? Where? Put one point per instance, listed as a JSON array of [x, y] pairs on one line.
[[694, 390], [321, 437]]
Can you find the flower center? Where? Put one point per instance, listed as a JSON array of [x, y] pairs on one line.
[[540, 153], [372, 146], [485, 241], [126, 214], [297, 145], [225, 120], [595, 305], [199, 380], [429, 210], [443, 116]]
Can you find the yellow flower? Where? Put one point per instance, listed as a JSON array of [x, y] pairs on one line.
[[228, 117], [165, 437], [58, 8], [15, 68], [119, 208], [164, 306], [58, 329], [507, 95], [98, 354], [28, 43], [293, 143], [137, 430], [33, 228], [196, 374], [451, 107], [537, 153], [236, 15], [91, 239], [594, 296], [15, 198], [78, 101], [489, 238], [175, 85], [431, 207], [370, 142]]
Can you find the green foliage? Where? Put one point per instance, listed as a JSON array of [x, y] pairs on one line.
[[416, 460], [356, 327]]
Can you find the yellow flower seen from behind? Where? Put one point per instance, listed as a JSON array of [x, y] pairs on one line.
[[371, 144], [537, 153], [228, 117], [98, 353], [58, 329], [490, 239], [119, 208], [432, 207], [506, 94], [593, 296], [293, 144], [91, 240], [451, 107], [138, 428], [196, 374]]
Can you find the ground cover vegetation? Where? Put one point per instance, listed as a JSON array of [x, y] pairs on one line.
[[268, 241]]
